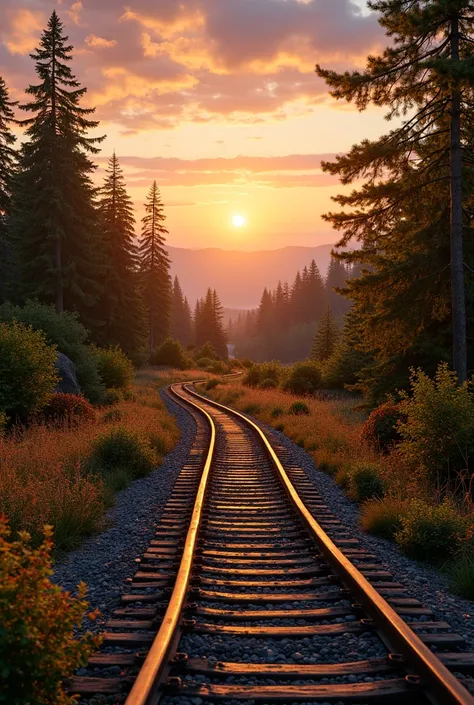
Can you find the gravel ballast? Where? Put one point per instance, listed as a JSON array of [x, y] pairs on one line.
[[105, 560]]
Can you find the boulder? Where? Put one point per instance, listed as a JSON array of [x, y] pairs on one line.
[[67, 383]]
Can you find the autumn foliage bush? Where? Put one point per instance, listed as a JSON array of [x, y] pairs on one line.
[[37, 621], [380, 431], [68, 409]]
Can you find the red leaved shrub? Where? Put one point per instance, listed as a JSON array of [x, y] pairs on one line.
[[380, 431], [68, 409]]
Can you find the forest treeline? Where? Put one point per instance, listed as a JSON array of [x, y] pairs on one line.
[[67, 243], [284, 325]]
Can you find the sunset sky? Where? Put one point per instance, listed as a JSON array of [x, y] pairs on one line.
[[218, 101]]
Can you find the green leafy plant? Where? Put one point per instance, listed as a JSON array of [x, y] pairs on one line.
[[268, 384], [112, 396], [27, 372], [265, 370], [431, 533], [170, 354], [365, 482], [212, 384], [303, 378], [299, 408], [37, 621], [252, 408], [124, 448], [276, 412], [115, 368]]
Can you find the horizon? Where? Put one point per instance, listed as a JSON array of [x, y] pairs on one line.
[[231, 123]]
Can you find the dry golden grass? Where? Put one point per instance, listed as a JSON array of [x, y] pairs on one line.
[[44, 473], [331, 433]]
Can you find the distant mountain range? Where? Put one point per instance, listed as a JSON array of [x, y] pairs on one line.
[[240, 277]]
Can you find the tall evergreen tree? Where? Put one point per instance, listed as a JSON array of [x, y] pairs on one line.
[[427, 71], [55, 224], [208, 323], [336, 279], [326, 337], [8, 162], [121, 304], [154, 269], [180, 315]]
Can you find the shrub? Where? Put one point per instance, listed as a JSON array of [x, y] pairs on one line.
[[303, 378], [299, 408], [280, 427], [382, 517], [246, 363], [276, 412], [212, 384], [115, 369], [461, 576], [265, 370], [342, 478], [252, 408], [431, 533], [171, 354], [27, 372], [204, 362], [207, 351], [112, 416], [380, 431], [112, 396], [439, 430], [37, 646], [69, 336], [3, 423], [268, 384], [218, 368], [365, 482], [68, 409], [124, 448]]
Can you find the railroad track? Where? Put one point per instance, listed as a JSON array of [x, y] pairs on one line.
[[253, 591]]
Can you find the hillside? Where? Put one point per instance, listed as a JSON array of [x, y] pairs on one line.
[[240, 277]]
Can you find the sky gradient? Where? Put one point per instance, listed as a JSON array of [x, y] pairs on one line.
[[217, 100]]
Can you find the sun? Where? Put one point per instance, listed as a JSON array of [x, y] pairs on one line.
[[238, 221]]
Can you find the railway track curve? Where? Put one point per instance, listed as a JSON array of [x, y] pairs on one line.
[[253, 591]]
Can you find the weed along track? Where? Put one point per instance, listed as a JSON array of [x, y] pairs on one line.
[[253, 591]]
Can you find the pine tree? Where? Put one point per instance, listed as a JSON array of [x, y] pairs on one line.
[[180, 315], [8, 163], [208, 323], [219, 338], [121, 304], [336, 279], [326, 337], [154, 269], [427, 71], [58, 249], [316, 298]]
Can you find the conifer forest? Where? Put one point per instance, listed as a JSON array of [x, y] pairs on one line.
[[236, 239]]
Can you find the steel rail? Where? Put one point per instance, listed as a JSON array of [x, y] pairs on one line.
[[442, 686], [146, 689]]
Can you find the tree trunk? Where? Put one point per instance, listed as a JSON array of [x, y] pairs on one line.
[[457, 266]]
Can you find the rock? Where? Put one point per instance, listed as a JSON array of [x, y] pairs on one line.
[[68, 383]]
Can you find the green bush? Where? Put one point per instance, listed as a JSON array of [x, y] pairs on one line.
[[207, 350], [265, 370], [246, 363], [69, 336], [124, 448], [380, 430], [342, 368], [112, 396], [299, 408], [252, 408], [277, 411], [218, 368], [112, 416], [382, 517], [204, 362], [268, 384], [431, 533], [212, 384], [27, 373], [303, 378], [170, 354], [461, 576], [438, 434], [115, 369], [365, 482], [38, 649]]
